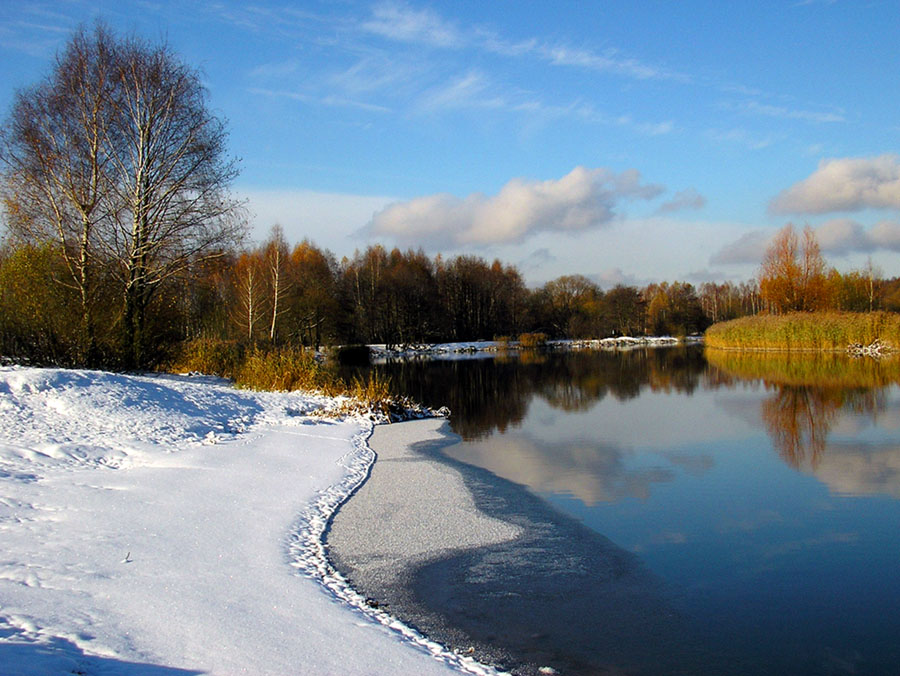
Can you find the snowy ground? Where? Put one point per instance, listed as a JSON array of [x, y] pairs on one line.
[[172, 525]]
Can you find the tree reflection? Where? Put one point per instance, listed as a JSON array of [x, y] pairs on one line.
[[488, 394], [809, 392], [798, 420]]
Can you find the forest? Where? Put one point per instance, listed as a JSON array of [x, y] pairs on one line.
[[122, 245], [275, 294]]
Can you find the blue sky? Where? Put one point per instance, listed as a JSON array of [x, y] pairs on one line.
[[625, 141]]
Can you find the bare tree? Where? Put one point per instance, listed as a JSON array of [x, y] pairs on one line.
[[277, 260], [118, 158], [249, 276], [170, 179], [55, 160]]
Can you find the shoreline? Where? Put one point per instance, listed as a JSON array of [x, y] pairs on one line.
[[410, 542], [403, 528]]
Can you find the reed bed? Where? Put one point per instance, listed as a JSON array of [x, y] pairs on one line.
[[811, 331], [286, 369]]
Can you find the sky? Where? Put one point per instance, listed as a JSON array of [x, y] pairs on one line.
[[627, 142]]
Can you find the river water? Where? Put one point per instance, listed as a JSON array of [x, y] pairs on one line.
[[685, 513]]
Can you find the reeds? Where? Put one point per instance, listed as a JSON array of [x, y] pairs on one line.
[[812, 331], [531, 341], [291, 369]]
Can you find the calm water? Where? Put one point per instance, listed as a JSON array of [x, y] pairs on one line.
[[761, 494]]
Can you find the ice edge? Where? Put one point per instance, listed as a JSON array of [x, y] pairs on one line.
[[308, 554]]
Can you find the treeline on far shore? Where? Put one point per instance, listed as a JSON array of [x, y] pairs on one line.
[[278, 295]]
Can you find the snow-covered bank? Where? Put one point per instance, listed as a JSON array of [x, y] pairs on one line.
[[169, 525], [484, 348]]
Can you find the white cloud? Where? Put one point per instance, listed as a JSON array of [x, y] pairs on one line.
[[841, 236], [613, 277], [845, 184], [886, 235], [685, 199], [581, 200]]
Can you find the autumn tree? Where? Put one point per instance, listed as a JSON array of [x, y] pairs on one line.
[[674, 309], [571, 306], [313, 300], [792, 276], [625, 308]]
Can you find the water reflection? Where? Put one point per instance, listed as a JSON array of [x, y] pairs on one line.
[[488, 395], [810, 396], [861, 469], [701, 465], [589, 471]]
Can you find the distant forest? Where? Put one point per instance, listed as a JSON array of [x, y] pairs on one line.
[[276, 294]]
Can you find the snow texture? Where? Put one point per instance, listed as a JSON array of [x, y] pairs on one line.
[[168, 525]]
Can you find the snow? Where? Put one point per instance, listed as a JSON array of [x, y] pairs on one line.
[[173, 525]]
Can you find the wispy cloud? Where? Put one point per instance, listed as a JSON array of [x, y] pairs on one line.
[[327, 100], [476, 91], [403, 23], [606, 62], [583, 199], [400, 22], [784, 113], [742, 137]]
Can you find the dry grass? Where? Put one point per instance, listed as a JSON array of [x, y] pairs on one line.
[[296, 369], [813, 331], [212, 357], [530, 341]]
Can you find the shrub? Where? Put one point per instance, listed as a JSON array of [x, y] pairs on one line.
[[284, 369], [530, 341], [210, 356]]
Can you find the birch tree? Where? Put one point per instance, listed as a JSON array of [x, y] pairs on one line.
[[55, 157], [116, 157]]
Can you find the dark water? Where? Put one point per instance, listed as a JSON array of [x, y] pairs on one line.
[[737, 515]]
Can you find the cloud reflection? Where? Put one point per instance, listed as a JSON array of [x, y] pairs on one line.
[[860, 469], [589, 471]]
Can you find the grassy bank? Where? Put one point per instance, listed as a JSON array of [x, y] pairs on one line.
[[813, 331]]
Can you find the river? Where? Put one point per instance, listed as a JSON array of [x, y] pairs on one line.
[[684, 512]]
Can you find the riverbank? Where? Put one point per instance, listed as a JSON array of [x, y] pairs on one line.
[[171, 525], [487, 348]]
